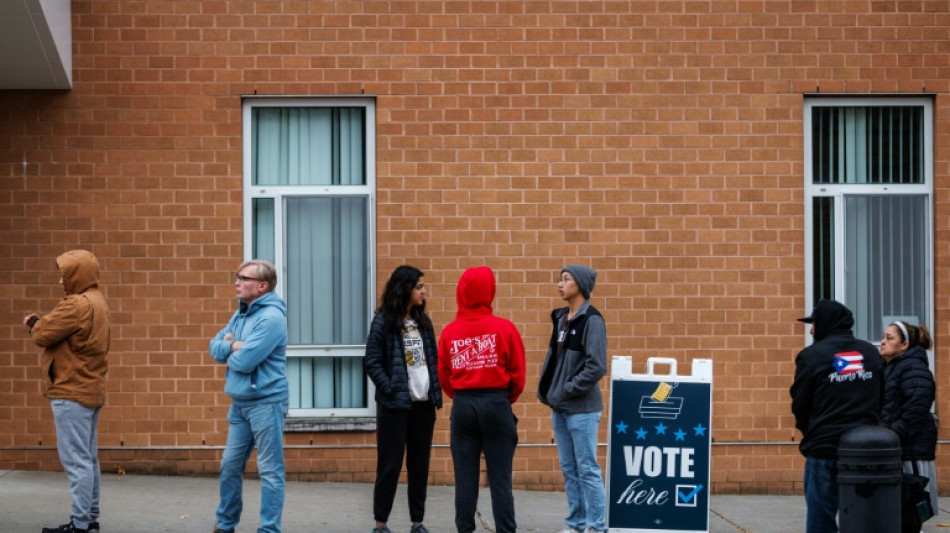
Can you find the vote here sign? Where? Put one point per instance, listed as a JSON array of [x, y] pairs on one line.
[[658, 449]]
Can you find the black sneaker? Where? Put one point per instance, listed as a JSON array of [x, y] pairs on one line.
[[93, 527], [418, 528], [217, 530], [65, 528]]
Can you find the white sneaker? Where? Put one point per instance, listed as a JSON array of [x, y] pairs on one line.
[[569, 530], [589, 529]]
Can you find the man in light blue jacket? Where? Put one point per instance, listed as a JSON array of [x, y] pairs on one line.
[[254, 347]]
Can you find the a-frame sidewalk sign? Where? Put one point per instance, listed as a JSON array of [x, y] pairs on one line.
[[659, 448]]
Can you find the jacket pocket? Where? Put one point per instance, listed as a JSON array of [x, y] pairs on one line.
[[239, 385]]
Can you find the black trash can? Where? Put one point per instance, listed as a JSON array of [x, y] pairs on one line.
[[869, 481]]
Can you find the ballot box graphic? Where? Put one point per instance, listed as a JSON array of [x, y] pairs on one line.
[[669, 409], [659, 448]]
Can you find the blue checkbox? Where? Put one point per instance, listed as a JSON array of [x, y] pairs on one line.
[[689, 498]]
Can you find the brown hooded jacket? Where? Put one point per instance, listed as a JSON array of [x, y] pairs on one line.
[[75, 334]]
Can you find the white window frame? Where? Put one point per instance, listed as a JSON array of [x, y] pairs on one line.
[[279, 193], [840, 191]]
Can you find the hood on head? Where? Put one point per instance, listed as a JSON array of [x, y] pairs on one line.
[[80, 270], [828, 316], [476, 290]]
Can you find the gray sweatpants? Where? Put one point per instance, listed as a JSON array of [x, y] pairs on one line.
[[78, 444]]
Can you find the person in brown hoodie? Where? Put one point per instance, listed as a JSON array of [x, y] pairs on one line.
[[75, 336]]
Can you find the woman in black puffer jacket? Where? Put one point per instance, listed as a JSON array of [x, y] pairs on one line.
[[402, 361], [909, 391]]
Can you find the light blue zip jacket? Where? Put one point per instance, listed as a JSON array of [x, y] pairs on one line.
[[257, 373]]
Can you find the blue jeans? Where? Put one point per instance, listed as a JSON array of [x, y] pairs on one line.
[[261, 425], [821, 495], [77, 442], [576, 436]]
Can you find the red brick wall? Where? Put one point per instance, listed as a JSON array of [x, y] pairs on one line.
[[659, 142]]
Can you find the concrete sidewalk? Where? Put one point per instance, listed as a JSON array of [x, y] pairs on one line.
[[152, 504]]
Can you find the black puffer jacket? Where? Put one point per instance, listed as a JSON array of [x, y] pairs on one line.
[[908, 394], [385, 364]]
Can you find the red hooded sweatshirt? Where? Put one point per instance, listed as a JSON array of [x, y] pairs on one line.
[[479, 350]]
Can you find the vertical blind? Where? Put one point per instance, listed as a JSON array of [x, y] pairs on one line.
[[868, 144], [823, 248], [262, 210], [886, 254], [886, 238], [326, 243], [308, 146], [326, 271]]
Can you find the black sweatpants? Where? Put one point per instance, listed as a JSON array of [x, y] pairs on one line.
[[482, 422], [403, 432]]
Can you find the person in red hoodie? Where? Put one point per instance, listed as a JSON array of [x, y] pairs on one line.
[[482, 367]]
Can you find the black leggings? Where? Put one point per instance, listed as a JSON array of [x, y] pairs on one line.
[[402, 432]]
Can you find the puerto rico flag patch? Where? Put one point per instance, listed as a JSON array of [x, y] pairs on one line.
[[848, 363]]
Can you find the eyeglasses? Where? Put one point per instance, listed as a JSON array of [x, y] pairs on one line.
[[245, 279]]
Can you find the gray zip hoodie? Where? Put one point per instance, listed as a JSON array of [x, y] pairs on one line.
[[569, 383]]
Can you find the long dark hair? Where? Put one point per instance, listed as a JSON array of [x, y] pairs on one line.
[[396, 297]]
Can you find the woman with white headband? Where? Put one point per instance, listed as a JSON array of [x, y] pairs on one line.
[[908, 395]]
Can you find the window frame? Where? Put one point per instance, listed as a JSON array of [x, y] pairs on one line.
[[839, 192], [279, 194]]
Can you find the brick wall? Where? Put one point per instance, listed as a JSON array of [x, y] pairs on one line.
[[659, 142]]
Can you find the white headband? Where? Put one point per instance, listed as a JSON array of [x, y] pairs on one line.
[[903, 329]]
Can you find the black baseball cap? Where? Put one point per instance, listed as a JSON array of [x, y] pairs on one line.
[[810, 319]]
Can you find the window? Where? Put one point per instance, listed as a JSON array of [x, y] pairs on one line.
[[868, 208], [308, 207]]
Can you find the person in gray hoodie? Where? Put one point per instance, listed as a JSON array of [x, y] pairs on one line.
[[575, 363]]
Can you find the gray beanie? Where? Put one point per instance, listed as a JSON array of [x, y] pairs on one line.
[[584, 276]]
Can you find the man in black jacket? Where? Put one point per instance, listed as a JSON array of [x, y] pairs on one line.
[[838, 384]]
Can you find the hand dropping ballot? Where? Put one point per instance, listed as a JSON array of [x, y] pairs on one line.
[[658, 449]]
